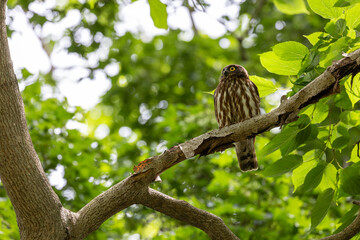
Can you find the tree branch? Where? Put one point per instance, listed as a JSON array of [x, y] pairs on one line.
[[183, 211], [220, 139], [350, 231], [38, 209], [215, 140], [110, 202]]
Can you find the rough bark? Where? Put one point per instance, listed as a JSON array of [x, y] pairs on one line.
[[37, 207], [183, 211], [39, 212]]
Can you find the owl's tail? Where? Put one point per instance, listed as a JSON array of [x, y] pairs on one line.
[[246, 156]]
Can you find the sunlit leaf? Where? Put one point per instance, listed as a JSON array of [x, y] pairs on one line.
[[352, 16], [158, 13], [333, 52], [336, 27], [313, 178], [351, 34], [265, 86], [314, 37], [350, 117], [329, 178], [353, 90], [321, 112], [291, 6], [325, 8], [275, 64], [290, 51], [355, 154], [300, 172]]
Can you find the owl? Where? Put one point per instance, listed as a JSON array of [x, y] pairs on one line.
[[236, 99]]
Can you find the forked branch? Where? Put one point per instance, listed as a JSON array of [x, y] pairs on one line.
[[26, 183]]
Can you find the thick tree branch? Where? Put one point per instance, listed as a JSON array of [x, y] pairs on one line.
[[183, 211], [350, 231], [110, 202], [38, 209], [218, 139]]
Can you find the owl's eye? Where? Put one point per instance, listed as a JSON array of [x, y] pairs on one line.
[[232, 69]]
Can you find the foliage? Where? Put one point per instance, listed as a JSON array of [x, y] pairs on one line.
[[158, 99], [324, 136]]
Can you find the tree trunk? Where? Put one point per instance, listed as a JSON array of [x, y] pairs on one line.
[[37, 207]]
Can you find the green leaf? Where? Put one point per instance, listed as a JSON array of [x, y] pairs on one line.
[[354, 155], [352, 16], [299, 173], [325, 8], [334, 52], [265, 86], [279, 140], [354, 134], [336, 28], [313, 178], [350, 117], [345, 3], [310, 62], [290, 145], [321, 111], [282, 166], [275, 64], [351, 33], [347, 218], [329, 178], [290, 51], [317, 112], [291, 6], [321, 207], [340, 142], [158, 13], [353, 91], [350, 179], [315, 37]]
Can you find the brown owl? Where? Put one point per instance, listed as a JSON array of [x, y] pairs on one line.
[[236, 99]]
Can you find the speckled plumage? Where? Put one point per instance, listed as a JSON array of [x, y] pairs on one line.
[[236, 99]]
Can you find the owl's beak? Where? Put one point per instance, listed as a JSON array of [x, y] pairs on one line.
[[226, 72]]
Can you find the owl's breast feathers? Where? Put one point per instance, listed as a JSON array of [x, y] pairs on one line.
[[236, 99]]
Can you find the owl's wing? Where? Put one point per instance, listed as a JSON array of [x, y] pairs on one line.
[[256, 89], [217, 105]]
